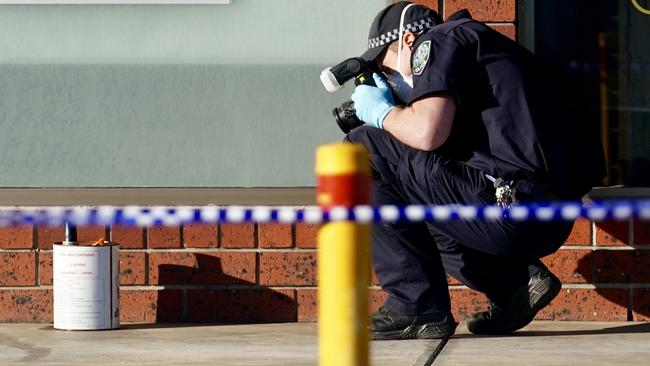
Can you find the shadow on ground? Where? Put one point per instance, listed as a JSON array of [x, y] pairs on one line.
[[625, 329]]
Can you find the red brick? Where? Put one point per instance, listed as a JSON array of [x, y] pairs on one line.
[[641, 304], [612, 233], [623, 266], [614, 265], [26, 306], [433, 4], [508, 30], [45, 268], [200, 235], [21, 237], [274, 236], [453, 281], [202, 305], [91, 233], [581, 233], [483, 10], [48, 235], [465, 302], [237, 236], [164, 237], [641, 272], [308, 303], [307, 299], [133, 268], [641, 232], [17, 269], [185, 268], [241, 306], [288, 269], [128, 237], [148, 306], [376, 298], [587, 304], [306, 235], [571, 304], [571, 265]]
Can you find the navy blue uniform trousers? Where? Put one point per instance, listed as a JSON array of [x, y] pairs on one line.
[[411, 259]]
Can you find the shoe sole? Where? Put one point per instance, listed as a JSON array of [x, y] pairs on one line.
[[543, 293], [424, 331], [539, 296]]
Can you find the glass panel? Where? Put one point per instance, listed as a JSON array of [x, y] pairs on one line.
[[603, 46]]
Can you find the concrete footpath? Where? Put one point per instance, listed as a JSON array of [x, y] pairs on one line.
[[541, 343]]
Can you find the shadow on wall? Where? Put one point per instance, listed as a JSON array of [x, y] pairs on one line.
[[612, 270], [203, 293]]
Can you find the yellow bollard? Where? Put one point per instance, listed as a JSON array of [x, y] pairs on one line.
[[343, 172]]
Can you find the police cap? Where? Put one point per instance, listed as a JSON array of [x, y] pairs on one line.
[[385, 28]]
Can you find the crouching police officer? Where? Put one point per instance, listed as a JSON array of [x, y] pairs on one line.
[[461, 116]]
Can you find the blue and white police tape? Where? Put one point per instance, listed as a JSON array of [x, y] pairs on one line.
[[179, 215]]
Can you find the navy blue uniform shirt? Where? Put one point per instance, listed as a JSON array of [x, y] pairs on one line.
[[509, 122]]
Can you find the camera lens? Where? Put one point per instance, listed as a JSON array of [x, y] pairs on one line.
[[346, 117]]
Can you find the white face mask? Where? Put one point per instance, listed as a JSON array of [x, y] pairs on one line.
[[403, 84]]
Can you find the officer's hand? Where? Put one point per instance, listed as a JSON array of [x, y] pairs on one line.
[[373, 103]]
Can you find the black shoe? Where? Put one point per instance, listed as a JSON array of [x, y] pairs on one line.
[[520, 309], [387, 324]]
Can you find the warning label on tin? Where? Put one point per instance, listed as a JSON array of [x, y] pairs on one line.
[[83, 290], [81, 263]]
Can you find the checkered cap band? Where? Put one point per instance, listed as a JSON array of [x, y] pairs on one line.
[[391, 36]]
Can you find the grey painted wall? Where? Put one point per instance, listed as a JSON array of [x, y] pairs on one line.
[[171, 96]]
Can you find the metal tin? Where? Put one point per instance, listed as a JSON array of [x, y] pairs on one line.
[[86, 286]]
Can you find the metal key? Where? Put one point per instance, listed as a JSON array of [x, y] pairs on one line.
[[504, 193]]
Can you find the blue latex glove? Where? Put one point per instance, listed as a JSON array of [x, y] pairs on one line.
[[373, 103]]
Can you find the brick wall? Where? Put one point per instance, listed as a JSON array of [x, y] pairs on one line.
[[196, 273], [266, 273], [605, 271], [499, 14]]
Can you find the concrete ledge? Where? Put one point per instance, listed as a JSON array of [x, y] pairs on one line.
[[619, 192], [300, 196]]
